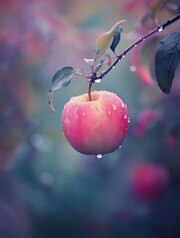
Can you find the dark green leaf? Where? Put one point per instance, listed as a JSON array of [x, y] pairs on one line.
[[60, 80], [62, 77], [115, 42], [166, 60]]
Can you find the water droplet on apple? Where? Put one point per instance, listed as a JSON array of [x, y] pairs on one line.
[[77, 116], [125, 116], [83, 114], [99, 156], [129, 120], [125, 106], [122, 105], [114, 107], [135, 46], [109, 112], [98, 80], [105, 98]]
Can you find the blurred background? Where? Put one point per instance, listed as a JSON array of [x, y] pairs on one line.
[[47, 189]]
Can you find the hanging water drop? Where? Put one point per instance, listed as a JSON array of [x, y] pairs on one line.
[[129, 120], [160, 28], [125, 106], [120, 146], [113, 67], [122, 105], [98, 80], [123, 55], [125, 116], [99, 156]]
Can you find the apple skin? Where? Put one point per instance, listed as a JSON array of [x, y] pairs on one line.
[[95, 127], [149, 182]]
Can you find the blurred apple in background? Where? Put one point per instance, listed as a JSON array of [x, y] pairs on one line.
[[149, 182], [98, 126]]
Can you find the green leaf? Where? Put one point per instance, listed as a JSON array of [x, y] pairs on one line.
[[115, 42], [60, 80], [167, 58], [154, 7], [104, 42]]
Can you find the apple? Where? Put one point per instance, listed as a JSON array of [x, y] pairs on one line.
[[149, 182], [95, 127]]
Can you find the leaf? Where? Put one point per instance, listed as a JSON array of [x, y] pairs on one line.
[[154, 7], [90, 62], [167, 58], [115, 42], [144, 74], [60, 80], [104, 42]]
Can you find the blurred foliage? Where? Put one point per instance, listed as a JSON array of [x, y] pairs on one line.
[[46, 188]]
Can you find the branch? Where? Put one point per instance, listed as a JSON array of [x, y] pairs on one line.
[[119, 57]]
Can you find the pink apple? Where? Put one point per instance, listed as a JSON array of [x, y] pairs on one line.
[[149, 182], [95, 127]]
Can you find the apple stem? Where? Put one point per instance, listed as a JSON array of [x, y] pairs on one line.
[[89, 90]]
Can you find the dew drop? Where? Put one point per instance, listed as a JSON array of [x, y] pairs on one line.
[[129, 120], [125, 106], [125, 116], [98, 80], [123, 56], [114, 107], [77, 116], [99, 156], [120, 146], [83, 114], [109, 112], [122, 105], [135, 46], [160, 28], [113, 67], [132, 68]]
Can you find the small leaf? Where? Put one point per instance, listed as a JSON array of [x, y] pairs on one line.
[[115, 42], [167, 58], [90, 62], [144, 74], [154, 7], [60, 80], [104, 42]]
